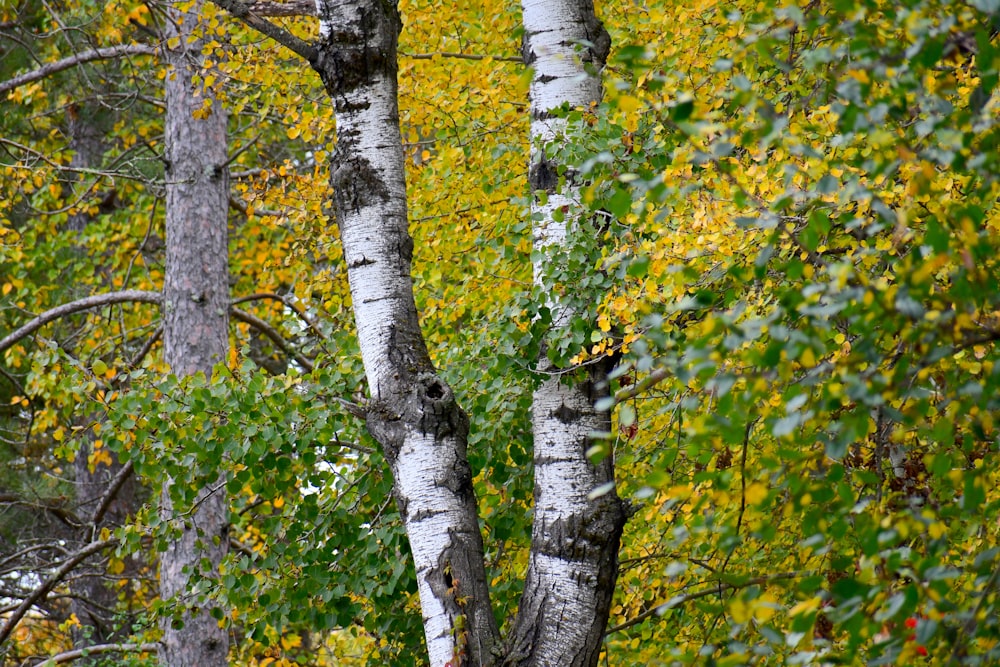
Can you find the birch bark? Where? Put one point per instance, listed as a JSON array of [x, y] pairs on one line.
[[413, 413], [195, 320], [573, 563]]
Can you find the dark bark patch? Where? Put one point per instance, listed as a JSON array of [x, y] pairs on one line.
[[438, 412], [599, 38], [566, 414], [356, 184], [387, 427], [526, 53], [543, 176], [349, 56], [364, 261]]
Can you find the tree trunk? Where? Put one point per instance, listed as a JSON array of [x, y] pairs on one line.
[[573, 564], [94, 599], [195, 321], [413, 413]]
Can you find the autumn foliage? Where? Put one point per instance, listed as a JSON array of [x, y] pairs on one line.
[[786, 241]]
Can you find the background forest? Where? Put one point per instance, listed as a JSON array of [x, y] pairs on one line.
[[778, 267]]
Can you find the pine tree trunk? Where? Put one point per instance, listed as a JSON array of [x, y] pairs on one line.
[[573, 564], [195, 321], [413, 413]]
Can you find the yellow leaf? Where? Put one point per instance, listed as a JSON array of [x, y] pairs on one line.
[[293, 132], [804, 607], [59, 434], [756, 493]]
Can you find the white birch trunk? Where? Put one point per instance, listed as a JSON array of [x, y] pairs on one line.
[[413, 413], [574, 551], [195, 324]]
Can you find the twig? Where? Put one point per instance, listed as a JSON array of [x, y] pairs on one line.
[[715, 589], [109, 495], [269, 331], [460, 56], [43, 589], [286, 302]]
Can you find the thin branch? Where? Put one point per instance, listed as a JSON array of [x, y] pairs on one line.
[[651, 380], [244, 549], [105, 53], [286, 302], [269, 331], [109, 495], [245, 14], [460, 56], [146, 347], [715, 589], [61, 513], [96, 301], [42, 590], [70, 656]]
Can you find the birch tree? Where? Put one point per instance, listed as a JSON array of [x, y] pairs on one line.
[[195, 323], [412, 412], [578, 517]]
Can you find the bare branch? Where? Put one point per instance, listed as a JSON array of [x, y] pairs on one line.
[[714, 589], [286, 302], [269, 331], [245, 14], [87, 651], [109, 495], [460, 56], [96, 301], [42, 590], [61, 513], [105, 53]]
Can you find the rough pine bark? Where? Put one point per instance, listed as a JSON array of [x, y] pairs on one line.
[[573, 563], [413, 413], [195, 321]]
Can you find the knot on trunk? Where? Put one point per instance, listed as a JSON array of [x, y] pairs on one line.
[[437, 412]]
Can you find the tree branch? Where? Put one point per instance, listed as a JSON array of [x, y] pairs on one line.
[[460, 56], [109, 496], [72, 307], [269, 331], [245, 14], [105, 53], [87, 651], [66, 516], [654, 378], [286, 302], [42, 590], [715, 589]]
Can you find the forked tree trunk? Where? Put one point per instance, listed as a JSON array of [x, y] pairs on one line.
[[195, 321], [413, 413], [573, 564]]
